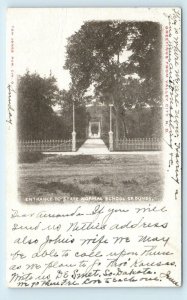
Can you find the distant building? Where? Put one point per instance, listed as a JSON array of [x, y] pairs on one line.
[[98, 120]]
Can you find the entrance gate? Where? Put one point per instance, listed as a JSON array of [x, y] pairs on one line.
[[94, 130]]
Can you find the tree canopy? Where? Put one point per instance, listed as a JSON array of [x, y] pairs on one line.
[[36, 117], [120, 60]]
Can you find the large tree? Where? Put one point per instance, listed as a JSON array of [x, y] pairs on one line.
[[120, 60], [36, 117]]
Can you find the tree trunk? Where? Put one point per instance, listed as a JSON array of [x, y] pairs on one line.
[[139, 124], [117, 125], [117, 122], [125, 133]]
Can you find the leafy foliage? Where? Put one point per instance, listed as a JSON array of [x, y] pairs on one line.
[[36, 117], [121, 60], [81, 115]]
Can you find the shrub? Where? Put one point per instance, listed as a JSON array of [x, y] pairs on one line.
[[29, 157]]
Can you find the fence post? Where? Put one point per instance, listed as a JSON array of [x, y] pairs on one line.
[[111, 146], [73, 133], [74, 141]]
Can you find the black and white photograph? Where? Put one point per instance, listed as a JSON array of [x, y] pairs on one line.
[[90, 120], [93, 120]]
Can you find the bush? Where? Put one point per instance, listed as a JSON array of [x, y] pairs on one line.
[[29, 157]]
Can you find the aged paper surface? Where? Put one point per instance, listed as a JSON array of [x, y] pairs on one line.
[[94, 147]]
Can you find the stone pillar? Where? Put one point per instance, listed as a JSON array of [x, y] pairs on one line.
[[89, 130], [99, 130], [111, 145], [73, 133], [74, 141]]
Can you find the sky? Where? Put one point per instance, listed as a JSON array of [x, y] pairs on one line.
[[40, 39], [41, 36]]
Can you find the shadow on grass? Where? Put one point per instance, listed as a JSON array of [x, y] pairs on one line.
[[97, 180], [73, 160], [68, 188], [129, 182], [29, 157]]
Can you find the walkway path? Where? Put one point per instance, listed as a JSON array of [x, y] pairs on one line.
[[97, 146], [93, 146]]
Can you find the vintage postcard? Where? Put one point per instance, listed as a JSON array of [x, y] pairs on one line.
[[93, 147]]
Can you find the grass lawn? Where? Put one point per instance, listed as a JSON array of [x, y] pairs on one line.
[[85, 177]]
